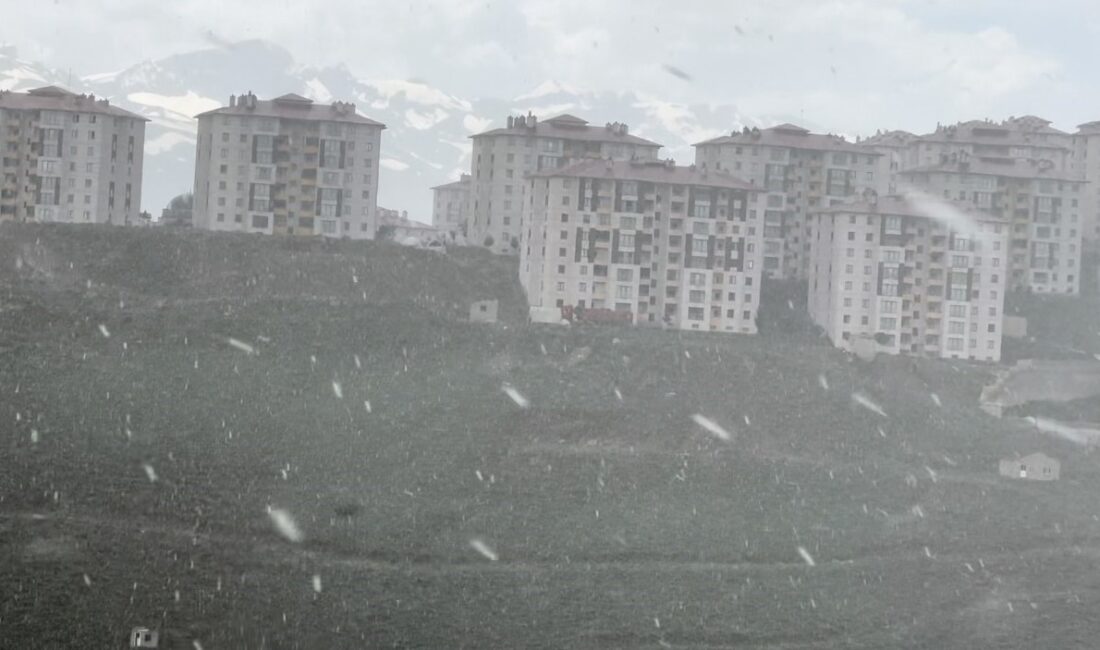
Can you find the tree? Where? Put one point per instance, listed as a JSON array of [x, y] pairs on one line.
[[179, 211], [489, 241], [385, 232]]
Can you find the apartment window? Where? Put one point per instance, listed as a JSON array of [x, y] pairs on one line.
[[695, 313], [887, 323], [260, 197], [624, 291], [698, 279], [889, 306], [624, 275], [697, 296]]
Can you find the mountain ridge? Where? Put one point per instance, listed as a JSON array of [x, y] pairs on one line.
[[427, 138]]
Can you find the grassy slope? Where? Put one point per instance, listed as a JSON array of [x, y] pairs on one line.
[[618, 524]]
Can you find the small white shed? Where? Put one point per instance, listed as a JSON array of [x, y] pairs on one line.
[[143, 637]]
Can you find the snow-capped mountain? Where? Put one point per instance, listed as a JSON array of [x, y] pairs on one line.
[[427, 138]]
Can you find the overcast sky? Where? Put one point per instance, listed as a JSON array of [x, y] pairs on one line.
[[853, 65]]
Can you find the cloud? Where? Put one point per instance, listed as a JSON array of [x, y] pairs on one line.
[[851, 64], [167, 141], [393, 164], [475, 124], [422, 121], [318, 92], [176, 112]]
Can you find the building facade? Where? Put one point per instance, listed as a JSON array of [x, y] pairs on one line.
[[287, 166], [671, 246], [801, 173], [69, 158], [894, 147], [1042, 204], [887, 269], [449, 206], [1024, 139], [502, 159], [1086, 166]]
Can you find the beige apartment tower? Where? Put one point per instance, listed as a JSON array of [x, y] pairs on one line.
[[69, 158], [886, 274], [449, 206], [801, 173], [670, 246], [502, 159], [287, 166], [1042, 205]]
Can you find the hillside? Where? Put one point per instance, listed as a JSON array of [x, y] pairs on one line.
[[143, 449]]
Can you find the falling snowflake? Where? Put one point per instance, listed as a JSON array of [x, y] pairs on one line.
[[711, 426], [317, 582], [150, 472], [936, 400], [515, 396], [241, 345], [823, 381], [366, 405], [34, 436], [865, 402], [285, 524], [103, 330], [483, 548], [806, 557], [337, 390], [619, 394]]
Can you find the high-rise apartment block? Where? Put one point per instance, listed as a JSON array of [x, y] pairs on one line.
[[69, 158], [669, 246], [1041, 204], [801, 173], [1086, 166], [887, 276], [1025, 139], [449, 206], [502, 159], [894, 147], [287, 166]]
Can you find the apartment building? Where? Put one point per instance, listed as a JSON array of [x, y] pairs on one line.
[[801, 172], [672, 246], [69, 158], [1086, 166], [287, 166], [1042, 204], [894, 147], [502, 158], [1019, 138], [887, 272], [449, 206]]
